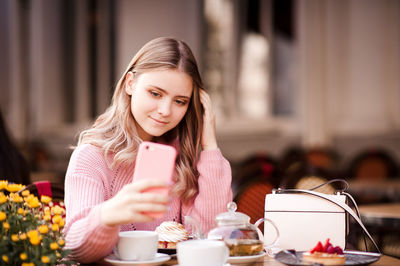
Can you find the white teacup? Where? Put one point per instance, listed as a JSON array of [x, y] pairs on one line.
[[137, 245], [202, 252]]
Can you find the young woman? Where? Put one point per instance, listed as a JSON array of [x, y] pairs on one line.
[[159, 98]]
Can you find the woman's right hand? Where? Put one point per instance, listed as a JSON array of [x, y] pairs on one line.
[[128, 205]]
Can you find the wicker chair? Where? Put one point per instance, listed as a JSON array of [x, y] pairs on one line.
[[373, 164]]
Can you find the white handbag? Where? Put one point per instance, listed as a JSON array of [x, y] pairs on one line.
[[304, 217]]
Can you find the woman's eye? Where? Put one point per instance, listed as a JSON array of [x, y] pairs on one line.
[[155, 94], [181, 102]]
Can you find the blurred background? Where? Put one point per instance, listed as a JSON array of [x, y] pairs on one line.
[[301, 88]]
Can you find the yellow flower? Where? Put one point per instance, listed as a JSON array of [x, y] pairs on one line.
[[25, 193], [14, 187], [56, 219], [6, 225], [23, 256], [55, 227], [43, 229], [61, 242], [35, 240], [20, 211], [3, 216], [57, 210], [45, 199], [14, 237], [29, 198], [3, 198], [34, 202], [45, 259], [16, 197], [61, 223], [28, 264], [5, 258], [22, 236], [47, 217], [32, 233], [3, 184], [54, 246]]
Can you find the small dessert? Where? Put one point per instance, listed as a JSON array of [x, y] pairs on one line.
[[325, 254], [170, 233]]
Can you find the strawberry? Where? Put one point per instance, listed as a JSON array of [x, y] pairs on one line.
[[330, 249], [317, 248], [327, 244], [338, 250], [327, 248]]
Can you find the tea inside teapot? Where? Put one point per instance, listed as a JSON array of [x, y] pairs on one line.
[[241, 237], [244, 247]]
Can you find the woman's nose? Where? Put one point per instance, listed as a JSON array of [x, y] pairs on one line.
[[164, 108]]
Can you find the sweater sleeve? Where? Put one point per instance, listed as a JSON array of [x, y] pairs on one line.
[[214, 189], [85, 190]]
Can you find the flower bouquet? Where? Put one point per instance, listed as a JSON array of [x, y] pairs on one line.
[[30, 229]]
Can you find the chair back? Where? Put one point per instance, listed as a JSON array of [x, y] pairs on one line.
[[323, 158], [251, 200], [373, 164], [46, 188]]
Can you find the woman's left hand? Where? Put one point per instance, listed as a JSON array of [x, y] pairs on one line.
[[208, 137]]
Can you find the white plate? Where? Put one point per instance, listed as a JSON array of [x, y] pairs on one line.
[[245, 259], [158, 260]]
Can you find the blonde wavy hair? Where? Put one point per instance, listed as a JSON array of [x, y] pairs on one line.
[[113, 131]]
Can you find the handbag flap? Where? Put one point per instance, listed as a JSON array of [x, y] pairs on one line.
[[302, 202]]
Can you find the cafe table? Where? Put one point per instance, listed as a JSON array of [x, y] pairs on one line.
[[376, 190], [269, 261], [384, 215], [383, 221]]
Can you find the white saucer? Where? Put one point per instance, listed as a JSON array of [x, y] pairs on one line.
[[245, 259], [158, 260]]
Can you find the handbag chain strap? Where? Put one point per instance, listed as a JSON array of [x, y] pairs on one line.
[[346, 185], [343, 191], [343, 205]]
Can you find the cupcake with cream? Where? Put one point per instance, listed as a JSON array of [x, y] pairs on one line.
[[170, 233]]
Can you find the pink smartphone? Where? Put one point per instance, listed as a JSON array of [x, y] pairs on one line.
[[155, 160]]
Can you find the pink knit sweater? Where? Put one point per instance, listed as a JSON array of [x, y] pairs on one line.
[[89, 182]]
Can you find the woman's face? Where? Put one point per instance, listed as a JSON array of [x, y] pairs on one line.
[[159, 100]]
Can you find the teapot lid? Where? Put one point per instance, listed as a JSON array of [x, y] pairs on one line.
[[231, 216]]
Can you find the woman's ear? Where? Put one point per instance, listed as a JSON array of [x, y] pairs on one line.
[[129, 83]]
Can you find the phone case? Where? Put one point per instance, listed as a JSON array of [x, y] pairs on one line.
[[155, 160]]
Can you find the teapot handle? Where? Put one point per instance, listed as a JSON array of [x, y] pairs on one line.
[[257, 224]]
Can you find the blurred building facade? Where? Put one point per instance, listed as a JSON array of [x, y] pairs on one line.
[[315, 73]]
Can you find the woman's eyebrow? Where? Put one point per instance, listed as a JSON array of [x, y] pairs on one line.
[[164, 91]]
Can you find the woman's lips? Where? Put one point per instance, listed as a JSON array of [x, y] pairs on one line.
[[159, 121]]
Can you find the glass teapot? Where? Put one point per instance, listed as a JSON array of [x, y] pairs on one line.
[[242, 237]]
